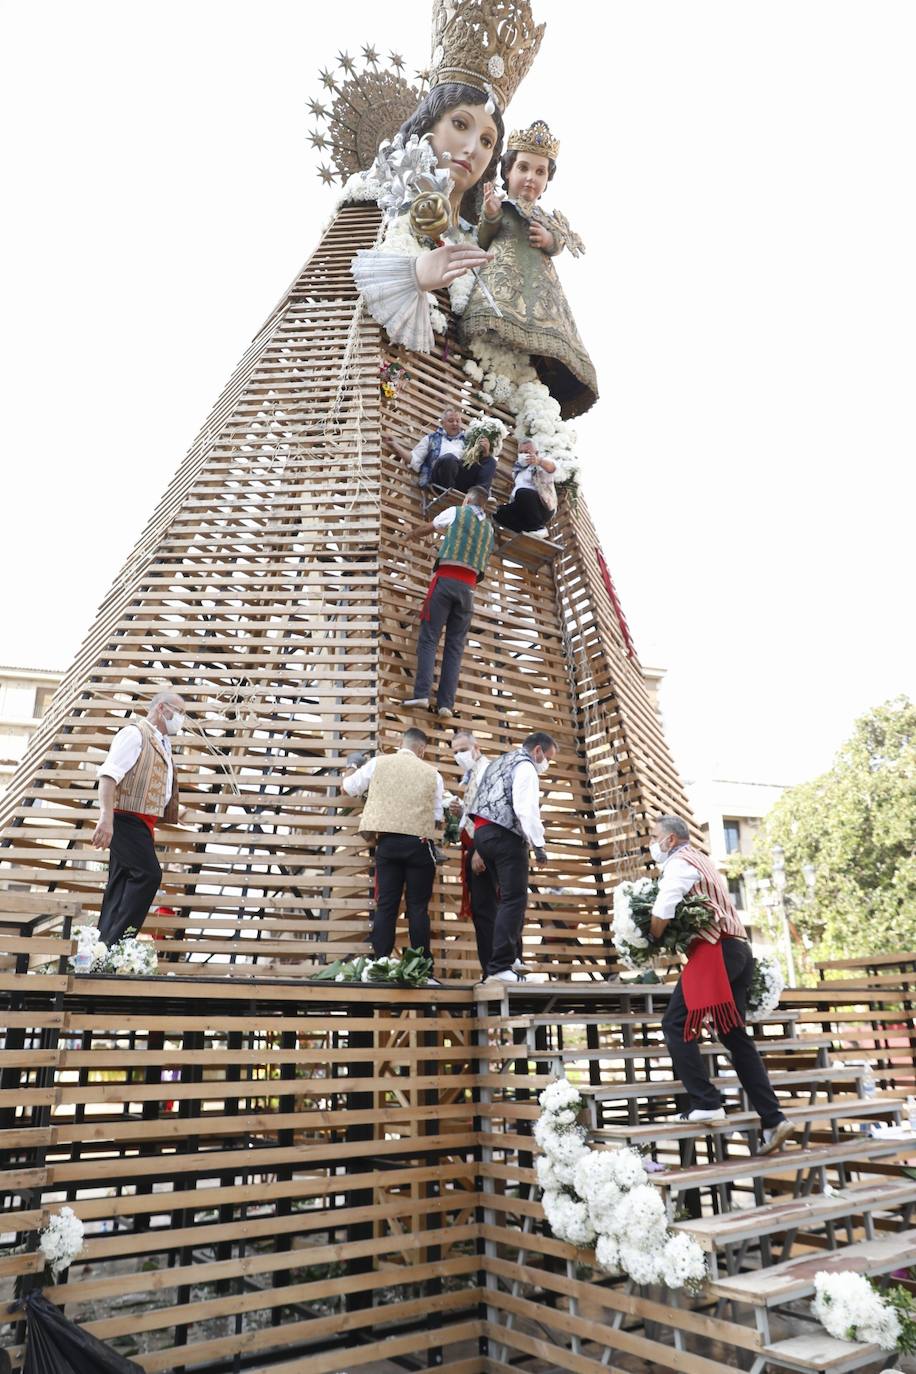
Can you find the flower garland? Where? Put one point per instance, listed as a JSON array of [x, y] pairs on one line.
[[413, 967], [603, 1198], [61, 1240], [766, 988], [850, 1307], [633, 904]]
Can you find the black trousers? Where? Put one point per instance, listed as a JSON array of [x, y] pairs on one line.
[[453, 473], [688, 1061], [506, 857], [134, 876], [402, 861], [526, 511], [451, 607], [484, 901]]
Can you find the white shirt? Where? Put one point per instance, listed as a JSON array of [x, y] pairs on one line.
[[678, 877], [357, 783], [526, 803], [449, 446], [447, 517], [525, 475], [124, 752]]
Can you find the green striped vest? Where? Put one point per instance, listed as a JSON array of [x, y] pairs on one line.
[[468, 542]]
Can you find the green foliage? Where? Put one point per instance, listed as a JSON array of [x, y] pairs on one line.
[[414, 967], [857, 825]]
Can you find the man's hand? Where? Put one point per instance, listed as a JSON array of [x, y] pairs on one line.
[[539, 236], [477, 863], [492, 205], [657, 927], [540, 857], [442, 266], [101, 836]]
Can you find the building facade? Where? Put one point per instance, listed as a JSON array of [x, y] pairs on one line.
[[25, 695]]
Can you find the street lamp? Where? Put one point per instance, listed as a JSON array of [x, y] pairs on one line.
[[779, 882]]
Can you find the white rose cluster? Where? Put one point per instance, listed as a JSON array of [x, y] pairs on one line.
[[766, 989], [849, 1308], [132, 956], [625, 933], [61, 1240], [91, 951], [604, 1198]]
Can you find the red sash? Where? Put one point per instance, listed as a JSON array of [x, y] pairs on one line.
[[707, 991], [447, 570]]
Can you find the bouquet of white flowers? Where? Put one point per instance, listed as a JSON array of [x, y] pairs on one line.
[[61, 1240], [90, 950], [766, 988], [132, 955], [413, 967], [486, 427], [604, 1198], [633, 904], [851, 1308]]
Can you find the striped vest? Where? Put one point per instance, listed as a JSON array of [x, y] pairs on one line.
[[710, 885], [494, 793], [468, 542], [142, 788], [401, 798]]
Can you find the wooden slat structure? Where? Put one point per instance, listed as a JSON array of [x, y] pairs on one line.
[[273, 587]]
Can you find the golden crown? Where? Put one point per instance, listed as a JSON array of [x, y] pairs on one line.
[[489, 44], [537, 139]]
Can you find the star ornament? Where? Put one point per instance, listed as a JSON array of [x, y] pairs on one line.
[[370, 55], [346, 62], [396, 61], [317, 139], [327, 175], [318, 110], [327, 79]]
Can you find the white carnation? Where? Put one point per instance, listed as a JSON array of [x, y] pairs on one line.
[[61, 1240]]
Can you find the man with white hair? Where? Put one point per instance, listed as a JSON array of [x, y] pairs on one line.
[[438, 459], [713, 986], [137, 788]]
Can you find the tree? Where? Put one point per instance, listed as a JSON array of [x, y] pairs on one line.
[[856, 825]]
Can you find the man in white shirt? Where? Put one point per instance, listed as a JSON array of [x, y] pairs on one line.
[[449, 605], [437, 458], [137, 788], [533, 501], [403, 807], [507, 821]]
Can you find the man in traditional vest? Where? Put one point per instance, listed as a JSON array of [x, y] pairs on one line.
[[438, 459], [449, 605], [713, 986], [137, 788], [403, 807], [507, 820]]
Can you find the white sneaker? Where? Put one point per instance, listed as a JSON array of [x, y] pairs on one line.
[[507, 975], [702, 1114], [416, 701], [433, 983], [774, 1137], [539, 534], [445, 712], [521, 967]]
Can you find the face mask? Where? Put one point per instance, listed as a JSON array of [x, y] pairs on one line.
[[542, 765], [464, 759], [174, 724], [658, 854]]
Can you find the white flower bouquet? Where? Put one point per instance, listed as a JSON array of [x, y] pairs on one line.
[[61, 1240], [133, 955], [413, 967], [633, 904], [766, 988], [851, 1308], [486, 427], [604, 1198], [90, 950]]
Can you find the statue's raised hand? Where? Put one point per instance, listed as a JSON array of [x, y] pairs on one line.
[[441, 266], [492, 205]]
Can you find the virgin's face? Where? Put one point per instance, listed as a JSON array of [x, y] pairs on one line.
[[528, 177], [468, 134]]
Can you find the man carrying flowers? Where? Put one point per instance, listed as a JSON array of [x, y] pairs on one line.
[[713, 986]]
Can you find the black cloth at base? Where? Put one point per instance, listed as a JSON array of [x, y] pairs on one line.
[[402, 861], [688, 1061], [56, 1345], [134, 875]]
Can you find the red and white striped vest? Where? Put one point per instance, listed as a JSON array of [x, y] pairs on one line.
[[710, 885]]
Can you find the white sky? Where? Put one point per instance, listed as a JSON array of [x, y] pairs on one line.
[[742, 174]]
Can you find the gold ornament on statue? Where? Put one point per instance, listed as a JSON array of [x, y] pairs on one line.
[[430, 215]]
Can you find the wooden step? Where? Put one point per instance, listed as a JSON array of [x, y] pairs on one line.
[[772, 1046], [821, 1354], [779, 1078], [530, 550], [794, 1278], [842, 1108], [733, 1228], [849, 1152]]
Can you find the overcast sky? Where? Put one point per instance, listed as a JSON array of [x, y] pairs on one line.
[[742, 174]]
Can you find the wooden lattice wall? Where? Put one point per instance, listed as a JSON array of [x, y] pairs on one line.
[[273, 587]]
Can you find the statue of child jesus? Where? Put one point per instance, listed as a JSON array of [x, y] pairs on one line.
[[524, 239]]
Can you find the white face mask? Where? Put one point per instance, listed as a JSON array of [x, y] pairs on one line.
[[174, 724], [464, 759], [659, 855], [542, 765]]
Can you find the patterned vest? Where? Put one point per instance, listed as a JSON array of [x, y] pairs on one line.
[[494, 794], [142, 787], [710, 885], [401, 798], [468, 542], [433, 449]]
